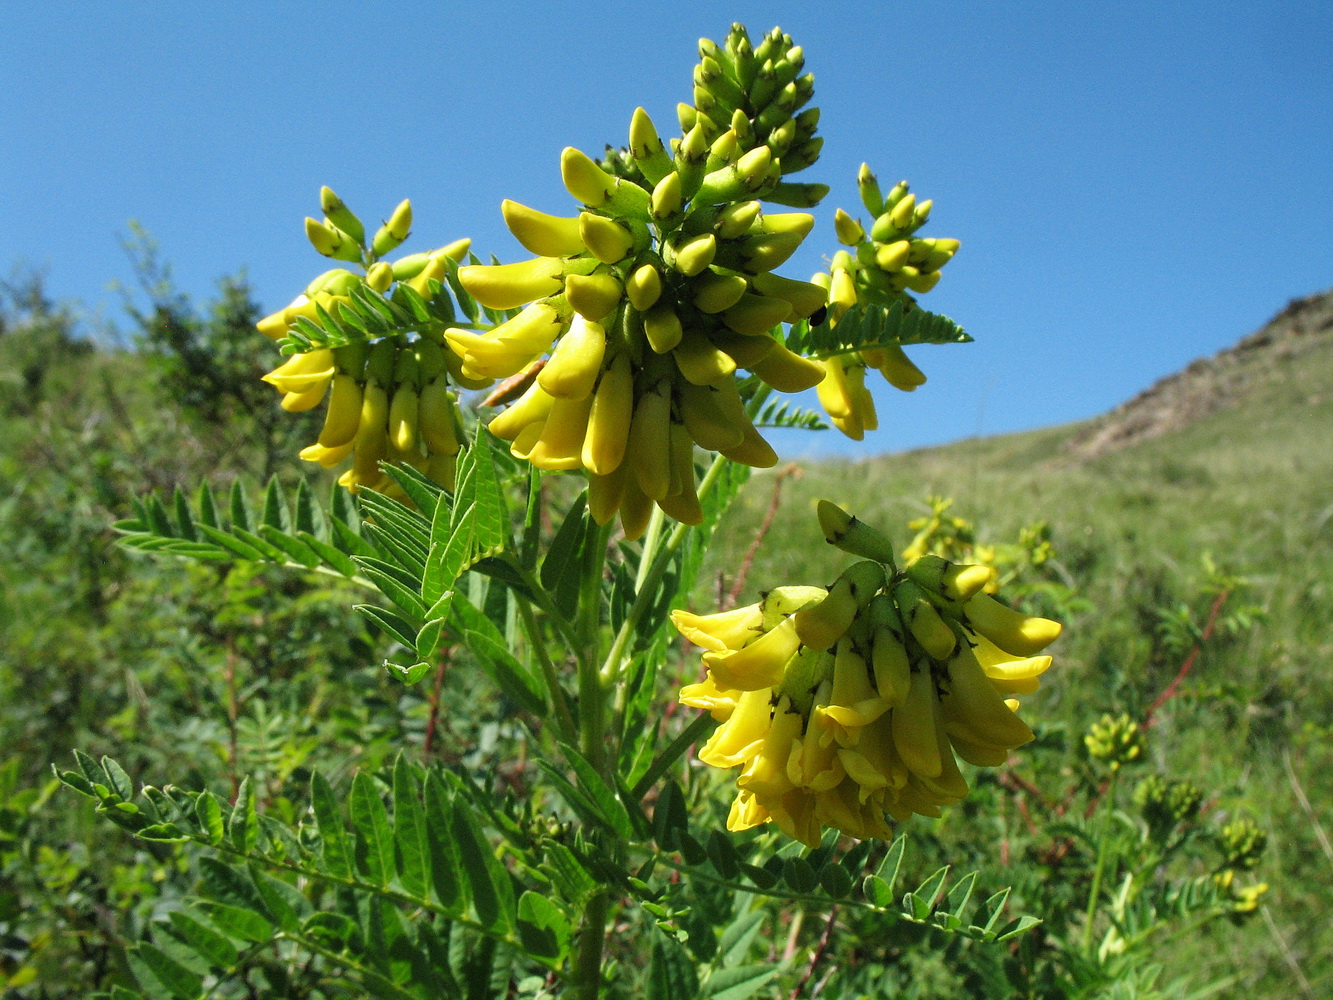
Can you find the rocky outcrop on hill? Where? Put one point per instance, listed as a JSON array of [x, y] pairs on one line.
[[1208, 384]]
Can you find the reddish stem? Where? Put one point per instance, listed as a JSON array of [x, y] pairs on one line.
[[739, 584], [1184, 670], [818, 956], [433, 721]]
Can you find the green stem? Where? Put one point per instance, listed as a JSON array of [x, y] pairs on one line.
[[690, 734], [587, 972], [646, 593], [587, 632], [651, 538], [564, 717], [1108, 807]]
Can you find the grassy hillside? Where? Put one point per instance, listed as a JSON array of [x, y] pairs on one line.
[[1230, 460], [205, 675]]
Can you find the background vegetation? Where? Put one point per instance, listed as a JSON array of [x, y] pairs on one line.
[[1206, 547]]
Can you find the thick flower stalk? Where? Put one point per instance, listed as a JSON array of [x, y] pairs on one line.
[[849, 705], [648, 302], [884, 267], [389, 399]]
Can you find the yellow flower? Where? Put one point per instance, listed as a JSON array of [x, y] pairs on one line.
[[871, 726]]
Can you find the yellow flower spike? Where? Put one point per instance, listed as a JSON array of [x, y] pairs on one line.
[[542, 234], [739, 738], [754, 315], [302, 372], [1012, 631], [571, 372], [644, 288], [609, 420], [649, 437], [700, 361], [761, 664], [974, 710], [722, 631], [718, 702], [913, 725], [560, 446], [506, 286]]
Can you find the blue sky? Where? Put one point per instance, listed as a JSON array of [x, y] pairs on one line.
[[1134, 185]]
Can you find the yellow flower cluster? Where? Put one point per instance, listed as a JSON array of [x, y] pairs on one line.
[[654, 295], [883, 268], [846, 704], [390, 399]]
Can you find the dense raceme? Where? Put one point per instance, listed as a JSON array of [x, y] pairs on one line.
[[847, 704], [389, 399], [654, 296], [884, 267]]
